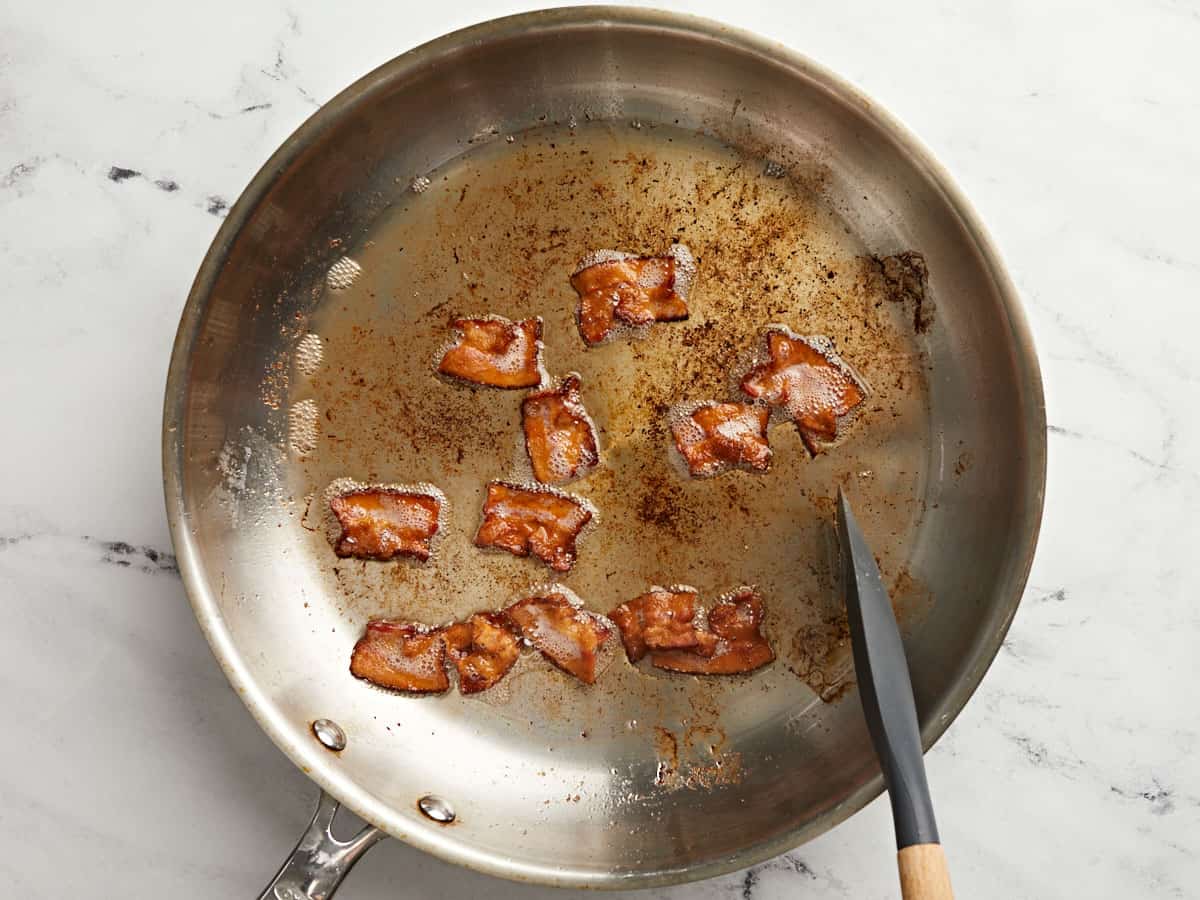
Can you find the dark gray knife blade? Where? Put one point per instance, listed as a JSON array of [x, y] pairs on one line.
[[884, 685]]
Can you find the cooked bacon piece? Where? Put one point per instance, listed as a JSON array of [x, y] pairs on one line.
[[716, 436], [740, 646], [559, 436], [495, 352], [567, 636], [401, 656], [636, 290], [660, 620], [483, 649], [738, 618], [806, 378], [527, 520], [381, 523]]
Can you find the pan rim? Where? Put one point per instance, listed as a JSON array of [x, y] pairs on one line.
[[317, 764]]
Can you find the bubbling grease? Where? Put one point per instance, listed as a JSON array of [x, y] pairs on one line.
[[340, 487], [563, 468], [685, 276], [342, 274], [801, 401], [513, 359]]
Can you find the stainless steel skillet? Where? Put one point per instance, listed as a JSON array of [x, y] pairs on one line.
[[467, 176]]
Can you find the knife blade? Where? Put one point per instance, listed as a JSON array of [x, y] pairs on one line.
[[884, 686]]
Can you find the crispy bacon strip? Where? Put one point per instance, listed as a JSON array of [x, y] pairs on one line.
[[495, 352], [483, 649], [807, 379], [401, 656], [569, 637], [382, 523], [717, 436], [660, 620], [524, 520], [736, 623], [636, 290], [559, 436]]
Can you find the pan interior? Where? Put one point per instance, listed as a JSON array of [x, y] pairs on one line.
[[312, 358]]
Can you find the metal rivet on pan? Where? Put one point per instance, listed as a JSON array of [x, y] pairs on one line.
[[330, 734], [436, 808]]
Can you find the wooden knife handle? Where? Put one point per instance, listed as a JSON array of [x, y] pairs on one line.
[[923, 873]]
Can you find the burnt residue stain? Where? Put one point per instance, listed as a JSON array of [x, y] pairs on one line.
[[666, 747], [911, 599], [663, 505], [963, 463], [906, 280], [119, 174], [704, 740], [216, 205], [166, 184], [699, 764], [256, 107], [820, 656], [144, 559]]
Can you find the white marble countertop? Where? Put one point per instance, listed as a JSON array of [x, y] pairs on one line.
[[129, 768]]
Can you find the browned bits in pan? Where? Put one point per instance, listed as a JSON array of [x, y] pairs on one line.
[[804, 377], [482, 649], [634, 290], [495, 352], [569, 637], [401, 656], [559, 436], [717, 436], [660, 620], [906, 280], [736, 623], [530, 520], [382, 523]]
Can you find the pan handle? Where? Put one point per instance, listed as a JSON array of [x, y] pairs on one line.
[[320, 861]]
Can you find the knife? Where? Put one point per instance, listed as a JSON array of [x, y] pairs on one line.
[[891, 714]]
